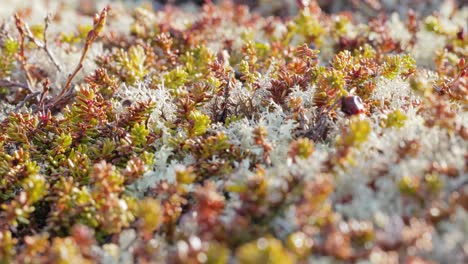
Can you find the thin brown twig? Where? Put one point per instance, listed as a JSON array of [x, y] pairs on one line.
[[22, 57], [8, 84], [99, 22], [25, 100], [42, 45], [46, 47], [45, 90], [25, 33]]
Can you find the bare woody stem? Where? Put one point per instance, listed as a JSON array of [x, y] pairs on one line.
[[7, 83], [22, 56], [25, 32], [46, 48], [99, 22]]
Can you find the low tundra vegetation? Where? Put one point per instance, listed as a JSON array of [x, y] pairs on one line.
[[224, 136]]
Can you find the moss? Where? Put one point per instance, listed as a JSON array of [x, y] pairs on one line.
[[264, 250], [396, 119]]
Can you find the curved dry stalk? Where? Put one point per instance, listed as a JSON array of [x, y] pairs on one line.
[[99, 23], [8, 84], [20, 25], [25, 32], [46, 48], [25, 100]]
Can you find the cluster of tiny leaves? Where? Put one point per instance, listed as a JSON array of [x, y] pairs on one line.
[[71, 166]]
